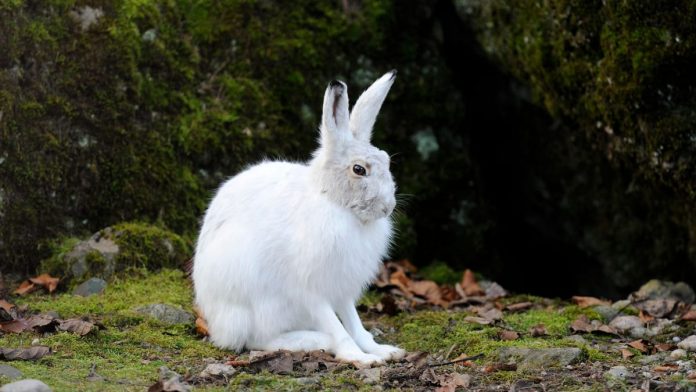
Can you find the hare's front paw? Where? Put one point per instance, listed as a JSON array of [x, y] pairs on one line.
[[359, 357], [387, 352]]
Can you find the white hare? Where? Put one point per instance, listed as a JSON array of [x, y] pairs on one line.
[[286, 249]]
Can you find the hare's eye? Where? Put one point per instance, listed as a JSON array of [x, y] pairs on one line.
[[359, 170]]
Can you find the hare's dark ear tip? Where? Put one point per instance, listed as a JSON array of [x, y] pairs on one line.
[[393, 74], [335, 83]]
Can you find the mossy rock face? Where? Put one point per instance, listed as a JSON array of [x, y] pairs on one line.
[[116, 249]]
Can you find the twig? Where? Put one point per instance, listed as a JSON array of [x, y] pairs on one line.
[[477, 356]]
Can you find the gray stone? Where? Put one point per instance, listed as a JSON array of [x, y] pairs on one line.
[[167, 314], [529, 358], [659, 289], [370, 375], [308, 380], [10, 372], [577, 339], [618, 373], [89, 287], [607, 312], [218, 370], [688, 344], [629, 325], [677, 354], [100, 243], [651, 359], [28, 385]]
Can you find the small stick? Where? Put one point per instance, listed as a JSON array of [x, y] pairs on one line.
[[477, 356], [449, 352]]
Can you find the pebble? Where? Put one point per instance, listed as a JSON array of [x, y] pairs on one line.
[[370, 375], [618, 372], [688, 344], [677, 354], [629, 325], [218, 370], [92, 286], [165, 313], [676, 339], [28, 385], [36, 342]]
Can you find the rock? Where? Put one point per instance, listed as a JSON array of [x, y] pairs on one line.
[[677, 354], [577, 339], [100, 244], [218, 370], [10, 372], [618, 372], [308, 380], [607, 312], [629, 325], [370, 375], [529, 358], [89, 287], [650, 359], [688, 344], [622, 304], [660, 289], [167, 314], [28, 385]]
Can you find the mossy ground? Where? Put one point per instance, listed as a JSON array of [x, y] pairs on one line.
[[129, 352]]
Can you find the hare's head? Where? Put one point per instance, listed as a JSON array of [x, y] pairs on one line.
[[351, 171]]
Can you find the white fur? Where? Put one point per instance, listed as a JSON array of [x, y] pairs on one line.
[[286, 249]]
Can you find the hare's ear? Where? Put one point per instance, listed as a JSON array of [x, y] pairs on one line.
[[365, 111], [335, 117]]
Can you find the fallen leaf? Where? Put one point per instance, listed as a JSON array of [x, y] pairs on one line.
[[399, 279], [639, 345], [418, 359], [689, 316], [496, 367], [583, 324], [661, 347], [47, 281], [169, 382], [406, 265], [77, 326], [428, 290], [42, 322], [469, 284], [477, 320], [32, 353], [450, 382], [538, 330], [519, 306], [585, 302], [8, 311], [25, 287], [15, 326], [670, 367], [508, 335], [645, 318], [626, 353], [492, 314], [278, 362], [495, 291]]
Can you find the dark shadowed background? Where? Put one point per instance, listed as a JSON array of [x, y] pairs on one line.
[[550, 146]]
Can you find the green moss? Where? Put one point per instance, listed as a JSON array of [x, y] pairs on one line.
[[441, 273]]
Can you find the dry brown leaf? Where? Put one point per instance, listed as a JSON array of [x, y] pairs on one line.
[[496, 367], [583, 324], [450, 382], [669, 367], [664, 347], [538, 330], [519, 306], [77, 326], [25, 287], [6, 306], [645, 318], [406, 265], [689, 316], [470, 285], [399, 279], [492, 314], [8, 311], [639, 345], [47, 281], [428, 290], [477, 320], [14, 326], [626, 353], [42, 322], [508, 335], [278, 362], [585, 302], [31, 353]]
